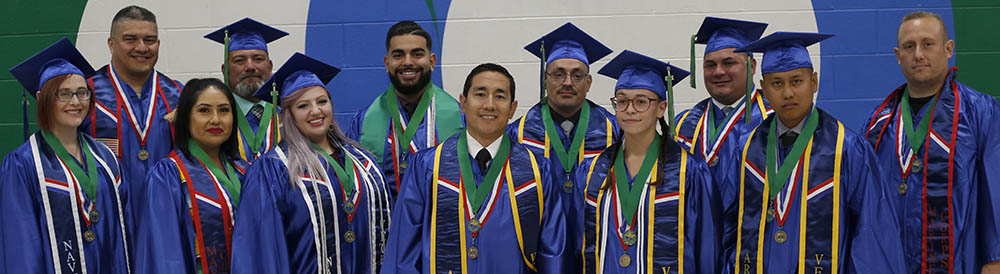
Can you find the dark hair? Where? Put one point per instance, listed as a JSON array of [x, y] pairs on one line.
[[406, 27], [47, 97], [182, 118], [667, 145], [484, 68]]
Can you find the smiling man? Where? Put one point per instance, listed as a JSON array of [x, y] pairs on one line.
[[479, 202], [132, 97], [938, 143], [808, 200], [413, 113], [247, 65]]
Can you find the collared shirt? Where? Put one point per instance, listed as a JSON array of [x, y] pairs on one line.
[[245, 104], [475, 146], [721, 106]]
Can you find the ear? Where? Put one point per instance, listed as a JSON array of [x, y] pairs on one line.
[[513, 108], [661, 108], [814, 78], [222, 68], [461, 102], [385, 61], [434, 60], [950, 47], [110, 43], [896, 52], [753, 66], [38, 93]]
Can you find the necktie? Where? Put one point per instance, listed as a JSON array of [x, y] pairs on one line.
[[788, 138], [257, 111], [727, 110], [483, 158], [566, 126]]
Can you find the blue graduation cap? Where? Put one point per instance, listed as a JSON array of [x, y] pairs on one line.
[[722, 33], [300, 71], [58, 59], [568, 41], [246, 34], [637, 71], [785, 51]]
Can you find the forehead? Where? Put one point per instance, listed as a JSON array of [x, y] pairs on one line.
[[313, 92], [920, 28], [799, 72], [135, 27], [248, 53], [491, 80], [74, 81], [724, 54], [567, 64], [627, 92], [407, 42], [211, 95]]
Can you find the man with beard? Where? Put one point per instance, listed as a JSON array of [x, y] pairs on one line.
[[413, 113], [246, 67], [131, 97], [938, 144], [565, 127]]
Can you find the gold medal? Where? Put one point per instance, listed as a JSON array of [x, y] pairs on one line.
[[916, 166], [402, 164], [624, 260], [94, 216], [780, 237], [143, 154], [349, 207], [89, 236], [474, 225], [568, 187], [630, 237], [473, 252], [349, 236], [714, 162], [770, 214], [902, 188]]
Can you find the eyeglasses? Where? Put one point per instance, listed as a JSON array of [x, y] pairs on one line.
[[559, 77], [640, 103], [66, 95]]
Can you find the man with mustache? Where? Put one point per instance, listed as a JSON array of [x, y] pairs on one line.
[[246, 67], [938, 144], [413, 113], [131, 97], [566, 127]]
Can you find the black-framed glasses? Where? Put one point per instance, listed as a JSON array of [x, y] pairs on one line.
[[66, 95], [559, 77], [640, 103]]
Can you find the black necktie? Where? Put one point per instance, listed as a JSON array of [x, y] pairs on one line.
[[483, 158], [788, 138], [257, 111]]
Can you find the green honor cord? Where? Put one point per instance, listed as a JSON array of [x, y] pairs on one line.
[[229, 179], [415, 119], [567, 159], [776, 178], [630, 196], [87, 180], [346, 177], [917, 137], [255, 139], [475, 193]]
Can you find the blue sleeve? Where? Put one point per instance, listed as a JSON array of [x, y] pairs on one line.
[[161, 227], [553, 256], [405, 245], [23, 249], [354, 129], [875, 246], [259, 237], [728, 196], [704, 205], [512, 129], [988, 185]]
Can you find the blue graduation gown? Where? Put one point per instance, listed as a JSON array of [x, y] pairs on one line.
[[429, 236], [838, 220], [44, 224], [116, 108], [601, 131], [171, 230], [272, 135], [656, 219], [953, 175], [279, 228]]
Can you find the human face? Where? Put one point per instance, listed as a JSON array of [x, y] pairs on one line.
[[70, 114], [567, 95], [923, 51], [488, 106], [635, 122], [248, 69], [134, 45], [313, 113], [409, 63], [726, 74], [791, 93], [211, 119]]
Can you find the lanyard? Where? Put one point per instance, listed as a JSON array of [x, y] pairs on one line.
[[229, 179], [567, 159], [630, 195], [479, 193], [87, 180], [778, 177]]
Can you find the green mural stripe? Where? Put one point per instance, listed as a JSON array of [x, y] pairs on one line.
[[977, 49]]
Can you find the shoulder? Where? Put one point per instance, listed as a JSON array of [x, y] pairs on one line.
[[20, 156]]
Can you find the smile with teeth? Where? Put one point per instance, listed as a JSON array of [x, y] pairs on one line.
[[487, 116], [316, 122], [74, 112]]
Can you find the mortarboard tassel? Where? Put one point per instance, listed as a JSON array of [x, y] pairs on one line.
[[225, 59], [691, 79], [541, 89], [670, 101], [746, 98], [24, 112]]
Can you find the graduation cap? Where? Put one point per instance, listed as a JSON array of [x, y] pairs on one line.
[[300, 71], [722, 33], [637, 71], [246, 34], [58, 59], [568, 41], [785, 51]]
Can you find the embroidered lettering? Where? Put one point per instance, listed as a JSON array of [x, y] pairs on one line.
[[818, 270], [70, 260], [746, 264], [665, 269], [819, 258]]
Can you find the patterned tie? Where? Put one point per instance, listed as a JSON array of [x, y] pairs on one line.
[[257, 111], [727, 110], [483, 158]]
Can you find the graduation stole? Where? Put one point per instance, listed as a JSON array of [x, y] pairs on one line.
[[265, 138], [937, 166], [564, 157], [212, 194], [654, 231], [546, 142], [65, 192], [702, 133], [812, 175], [452, 213], [385, 110], [123, 102]]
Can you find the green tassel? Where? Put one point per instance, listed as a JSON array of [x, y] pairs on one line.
[[746, 98], [225, 59], [670, 101], [274, 93], [691, 77], [541, 89]]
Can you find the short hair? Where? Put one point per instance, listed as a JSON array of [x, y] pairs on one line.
[[182, 118], [484, 68], [47, 97], [407, 27], [132, 12], [925, 14]]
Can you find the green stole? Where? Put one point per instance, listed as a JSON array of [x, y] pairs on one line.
[[379, 116]]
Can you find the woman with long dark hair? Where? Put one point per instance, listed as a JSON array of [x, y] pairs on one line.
[[63, 205], [317, 202], [184, 218], [648, 201]]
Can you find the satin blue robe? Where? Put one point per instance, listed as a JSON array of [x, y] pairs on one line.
[[702, 217], [602, 130], [970, 212], [866, 225], [111, 124], [498, 243], [275, 231], [165, 228], [31, 217]]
